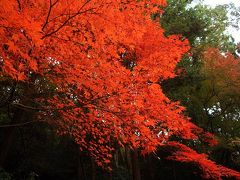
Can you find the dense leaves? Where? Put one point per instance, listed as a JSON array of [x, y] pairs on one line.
[[92, 69]]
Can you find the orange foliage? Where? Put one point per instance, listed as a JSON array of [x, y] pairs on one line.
[[209, 170], [79, 49], [223, 69]]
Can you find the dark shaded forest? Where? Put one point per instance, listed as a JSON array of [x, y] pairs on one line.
[[41, 136]]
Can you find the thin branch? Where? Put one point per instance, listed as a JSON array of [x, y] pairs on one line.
[[26, 107], [19, 5], [19, 124], [56, 17], [49, 12], [71, 17]]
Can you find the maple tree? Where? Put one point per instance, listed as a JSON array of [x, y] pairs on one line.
[[92, 69]]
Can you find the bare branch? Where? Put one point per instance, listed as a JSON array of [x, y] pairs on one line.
[[19, 5], [20, 124], [26, 107], [49, 12], [70, 18]]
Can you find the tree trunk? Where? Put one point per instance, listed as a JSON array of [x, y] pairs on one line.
[[81, 171], [8, 136], [135, 163], [129, 162], [150, 167], [93, 169]]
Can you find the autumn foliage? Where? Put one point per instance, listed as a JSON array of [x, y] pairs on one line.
[[95, 67], [208, 169], [223, 69]]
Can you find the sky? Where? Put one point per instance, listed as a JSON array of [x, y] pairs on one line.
[[235, 33], [214, 2]]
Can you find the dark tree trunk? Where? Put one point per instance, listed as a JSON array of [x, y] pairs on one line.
[[8, 136], [150, 167], [129, 162], [81, 171], [136, 167], [93, 169]]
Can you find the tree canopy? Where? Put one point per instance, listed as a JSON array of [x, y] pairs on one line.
[[93, 70]]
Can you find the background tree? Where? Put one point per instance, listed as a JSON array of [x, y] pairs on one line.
[[195, 87]]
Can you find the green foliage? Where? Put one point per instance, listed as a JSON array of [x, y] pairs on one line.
[[202, 25], [212, 107]]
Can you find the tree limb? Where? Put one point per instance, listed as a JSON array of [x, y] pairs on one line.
[[19, 124], [67, 20], [49, 12]]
